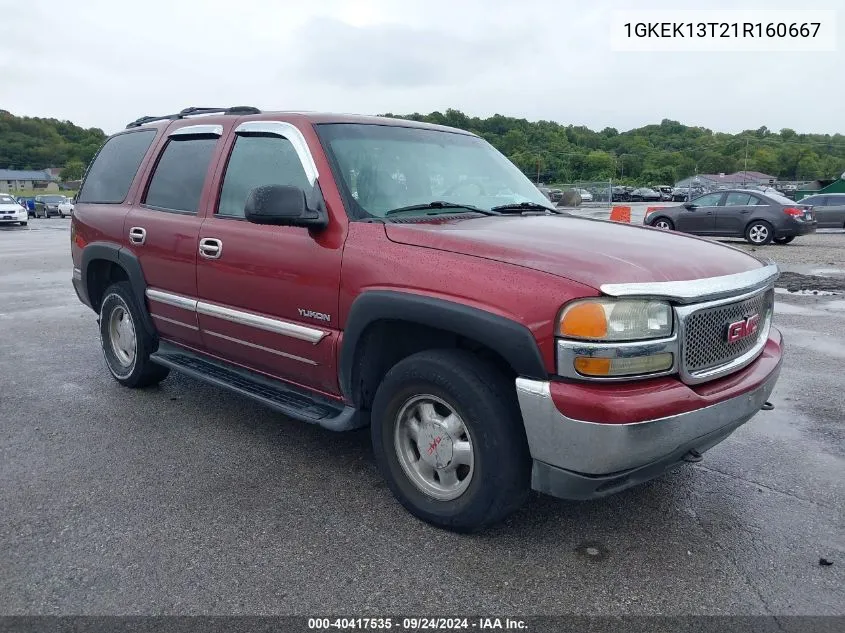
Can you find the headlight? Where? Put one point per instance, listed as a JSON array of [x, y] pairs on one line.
[[616, 320]]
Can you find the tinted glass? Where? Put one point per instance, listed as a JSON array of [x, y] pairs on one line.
[[6, 199], [817, 201], [835, 200], [180, 174], [710, 200], [779, 199], [385, 167], [110, 176], [258, 161], [738, 199]]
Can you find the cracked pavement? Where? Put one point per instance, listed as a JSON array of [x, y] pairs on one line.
[[184, 499]]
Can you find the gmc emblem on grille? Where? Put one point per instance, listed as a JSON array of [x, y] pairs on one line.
[[740, 329]]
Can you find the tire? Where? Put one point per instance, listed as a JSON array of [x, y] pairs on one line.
[[128, 359], [495, 482], [784, 240], [23, 223], [759, 233], [663, 223]]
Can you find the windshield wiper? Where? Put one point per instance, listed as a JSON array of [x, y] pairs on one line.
[[524, 206], [440, 204]]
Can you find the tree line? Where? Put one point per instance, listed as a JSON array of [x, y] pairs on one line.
[[34, 143], [653, 154]]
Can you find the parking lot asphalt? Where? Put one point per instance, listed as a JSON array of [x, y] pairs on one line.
[[183, 499]]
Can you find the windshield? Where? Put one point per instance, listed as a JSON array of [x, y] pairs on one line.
[[53, 198], [385, 167], [7, 200]]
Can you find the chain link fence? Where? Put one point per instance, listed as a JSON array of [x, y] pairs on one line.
[[582, 193]]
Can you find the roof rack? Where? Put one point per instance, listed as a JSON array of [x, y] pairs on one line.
[[194, 111]]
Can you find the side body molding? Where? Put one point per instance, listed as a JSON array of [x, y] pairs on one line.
[[511, 340]]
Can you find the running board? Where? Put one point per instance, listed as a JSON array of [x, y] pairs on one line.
[[293, 402]]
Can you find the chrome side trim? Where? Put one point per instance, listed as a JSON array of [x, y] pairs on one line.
[[177, 301], [285, 328], [198, 130], [77, 274], [261, 347], [697, 290], [291, 133], [175, 322], [567, 350]]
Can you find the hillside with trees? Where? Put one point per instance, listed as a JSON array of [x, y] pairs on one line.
[[33, 143], [663, 153]]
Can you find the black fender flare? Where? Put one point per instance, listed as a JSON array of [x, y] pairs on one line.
[[511, 340], [129, 262]]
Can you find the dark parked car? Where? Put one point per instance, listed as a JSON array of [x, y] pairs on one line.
[[644, 194], [45, 206], [829, 209], [758, 217], [620, 194]]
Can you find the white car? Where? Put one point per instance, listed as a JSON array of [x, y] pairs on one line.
[[11, 211], [66, 208], [586, 196]]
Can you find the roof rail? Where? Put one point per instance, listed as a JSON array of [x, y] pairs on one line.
[[194, 111]]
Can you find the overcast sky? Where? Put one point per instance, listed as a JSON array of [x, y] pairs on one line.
[[105, 62]]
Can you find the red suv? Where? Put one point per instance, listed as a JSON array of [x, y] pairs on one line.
[[353, 271]]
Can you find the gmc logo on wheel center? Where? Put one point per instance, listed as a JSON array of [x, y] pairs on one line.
[[741, 329]]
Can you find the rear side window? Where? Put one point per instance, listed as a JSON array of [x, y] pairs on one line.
[[180, 174], [257, 161], [110, 176], [735, 199]]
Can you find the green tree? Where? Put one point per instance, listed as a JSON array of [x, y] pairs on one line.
[[73, 170]]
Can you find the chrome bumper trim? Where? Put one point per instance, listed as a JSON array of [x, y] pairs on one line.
[[698, 290], [77, 274], [600, 449]]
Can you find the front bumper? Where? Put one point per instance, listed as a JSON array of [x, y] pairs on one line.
[[18, 216], [577, 459]]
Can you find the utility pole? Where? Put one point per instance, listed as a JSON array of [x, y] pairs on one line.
[[538, 170], [745, 169]]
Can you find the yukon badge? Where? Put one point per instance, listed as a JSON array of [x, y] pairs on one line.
[[310, 314]]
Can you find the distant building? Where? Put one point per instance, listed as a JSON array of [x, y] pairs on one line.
[[727, 181], [12, 180]]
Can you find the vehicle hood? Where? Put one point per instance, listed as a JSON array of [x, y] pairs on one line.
[[10, 207], [591, 252]]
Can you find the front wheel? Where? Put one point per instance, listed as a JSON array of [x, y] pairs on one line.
[[23, 223], [759, 233], [126, 344], [784, 240], [664, 224], [447, 436]]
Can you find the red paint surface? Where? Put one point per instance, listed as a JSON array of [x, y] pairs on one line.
[[522, 268], [638, 401]]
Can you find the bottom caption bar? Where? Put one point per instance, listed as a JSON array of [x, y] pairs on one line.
[[272, 624]]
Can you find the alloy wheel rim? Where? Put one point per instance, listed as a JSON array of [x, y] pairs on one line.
[[758, 233], [662, 224], [122, 336], [434, 447]]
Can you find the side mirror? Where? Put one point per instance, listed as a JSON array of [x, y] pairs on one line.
[[282, 205], [690, 206]]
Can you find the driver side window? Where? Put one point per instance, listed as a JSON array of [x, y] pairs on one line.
[[709, 200], [257, 161]]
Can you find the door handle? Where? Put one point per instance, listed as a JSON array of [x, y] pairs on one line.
[[137, 235], [211, 248]]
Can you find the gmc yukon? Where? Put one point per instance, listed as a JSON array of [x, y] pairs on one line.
[[370, 272]]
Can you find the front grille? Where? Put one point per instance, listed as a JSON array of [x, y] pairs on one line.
[[705, 344]]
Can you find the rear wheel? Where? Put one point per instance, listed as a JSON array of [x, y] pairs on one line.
[[447, 437], [126, 344], [759, 233], [784, 240], [663, 223]]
